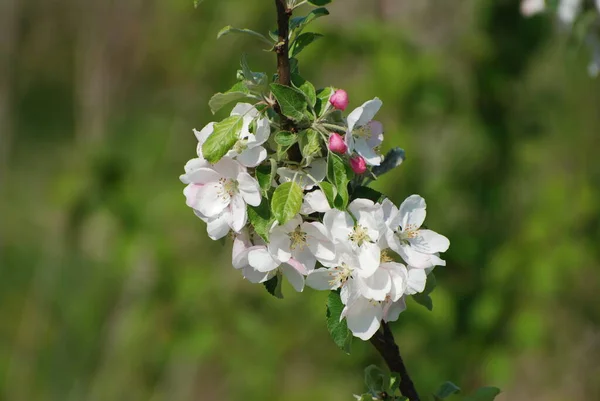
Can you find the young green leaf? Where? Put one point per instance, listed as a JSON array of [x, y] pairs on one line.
[[484, 394], [302, 41], [261, 219], [301, 22], [339, 174], [394, 382], [224, 136], [229, 30], [329, 191], [339, 331], [265, 175], [273, 286], [310, 143], [219, 100], [319, 3], [423, 298], [322, 100], [291, 101], [285, 138], [377, 380], [286, 202], [306, 87], [446, 390]]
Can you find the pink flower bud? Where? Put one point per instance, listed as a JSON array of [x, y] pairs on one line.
[[337, 144], [339, 99], [358, 164]]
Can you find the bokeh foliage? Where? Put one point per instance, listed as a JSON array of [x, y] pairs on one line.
[[111, 290]]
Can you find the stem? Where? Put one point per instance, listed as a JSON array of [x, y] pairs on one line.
[[387, 348]]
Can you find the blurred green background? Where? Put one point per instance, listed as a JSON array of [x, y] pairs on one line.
[[111, 290]]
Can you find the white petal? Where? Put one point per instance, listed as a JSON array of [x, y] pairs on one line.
[[339, 224], [218, 227], [418, 259], [305, 258], [363, 114], [399, 275], [252, 157], [279, 244], [322, 279], [202, 136], [376, 134], [212, 199], [429, 241], [254, 276], [293, 276], [191, 194], [360, 205], [263, 130], [393, 310], [317, 170], [238, 213], [315, 201], [239, 256], [362, 148], [261, 260], [417, 278], [241, 109], [377, 286], [249, 189], [364, 318], [318, 242], [228, 168], [390, 213], [298, 266], [369, 256], [412, 212]]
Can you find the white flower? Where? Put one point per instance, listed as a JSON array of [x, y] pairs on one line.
[[248, 150], [418, 247], [258, 266], [219, 193], [301, 241], [315, 202], [307, 177], [532, 7], [363, 134], [362, 236]]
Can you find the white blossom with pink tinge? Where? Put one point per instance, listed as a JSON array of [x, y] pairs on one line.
[[364, 135]]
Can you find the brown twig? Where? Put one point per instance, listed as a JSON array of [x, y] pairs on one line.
[[387, 348]]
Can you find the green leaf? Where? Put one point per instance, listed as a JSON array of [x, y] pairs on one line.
[[273, 285], [339, 174], [319, 3], [339, 331], [301, 22], [323, 96], [306, 87], [424, 298], [286, 202], [224, 136], [285, 138], [265, 175], [261, 219], [229, 30], [377, 380], [219, 100], [484, 394], [394, 382], [366, 193], [310, 143], [291, 101], [367, 397], [257, 82], [329, 192], [446, 390], [302, 41]]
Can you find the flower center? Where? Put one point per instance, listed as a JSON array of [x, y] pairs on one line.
[[297, 239], [362, 132], [385, 258], [408, 232], [230, 187], [340, 275], [359, 235]]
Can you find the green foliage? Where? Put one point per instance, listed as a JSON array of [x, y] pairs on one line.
[[265, 174], [338, 329], [261, 219], [299, 23], [224, 136], [339, 175], [329, 192], [238, 92], [244, 31], [446, 390], [377, 380], [273, 285], [322, 100], [302, 41], [306, 87], [286, 138], [310, 143], [286, 202], [366, 193], [423, 298], [291, 101]]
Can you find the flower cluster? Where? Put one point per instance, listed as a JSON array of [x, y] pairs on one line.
[[292, 203], [578, 16]]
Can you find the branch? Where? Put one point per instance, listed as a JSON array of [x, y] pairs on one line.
[[387, 348], [283, 46]]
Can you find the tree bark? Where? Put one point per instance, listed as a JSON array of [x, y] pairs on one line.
[[387, 348], [282, 48]]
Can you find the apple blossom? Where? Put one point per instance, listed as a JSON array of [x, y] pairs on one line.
[[337, 144], [358, 164], [364, 135], [307, 176]]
